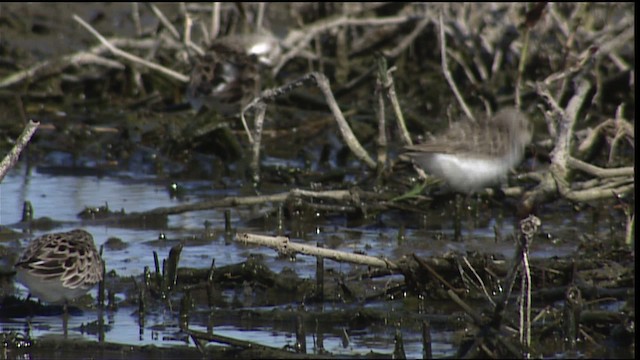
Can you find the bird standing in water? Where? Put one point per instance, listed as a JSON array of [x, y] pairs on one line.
[[472, 155], [59, 267]]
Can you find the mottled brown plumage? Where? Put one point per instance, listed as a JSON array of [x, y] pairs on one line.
[[61, 266], [227, 77]]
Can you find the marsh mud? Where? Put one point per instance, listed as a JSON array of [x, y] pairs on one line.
[[171, 195]]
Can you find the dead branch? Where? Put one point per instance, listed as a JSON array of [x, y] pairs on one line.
[[12, 157], [382, 131], [447, 73], [48, 67], [323, 83], [556, 182], [261, 110], [298, 40], [387, 84], [598, 171], [134, 59], [284, 246], [409, 39], [234, 201]]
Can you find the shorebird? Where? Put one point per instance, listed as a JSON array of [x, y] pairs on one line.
[[470, 156], [228, 75], [60, 267]]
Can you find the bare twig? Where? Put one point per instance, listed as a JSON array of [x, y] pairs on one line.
[[584, 58], [323, 83], [335, 195], [624, 130], [348, 135], [135, 15], [260, 15], [215, 21], [447, 73], [165, 22], [130, 57], [387, 84], [382, 128], [343, 65], [598, 171], [47, 67], [543, 91], [296, 41], [598, 194], [467, 70], [284, 246], [608, 190], [593, 136], [188, 22], [269, 95], [408, 40], [521, 65], [274, 352], [261, 110], [630, 227], [479, 280], [525, 296], [556, 181], [12, 157], [435, 274], [560, 153], [528, 228]]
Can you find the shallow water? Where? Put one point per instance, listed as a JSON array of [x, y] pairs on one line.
[[62, 197]]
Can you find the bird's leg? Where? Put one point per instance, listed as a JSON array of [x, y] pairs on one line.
[[65, 317], [30, 315], [457, 218]]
